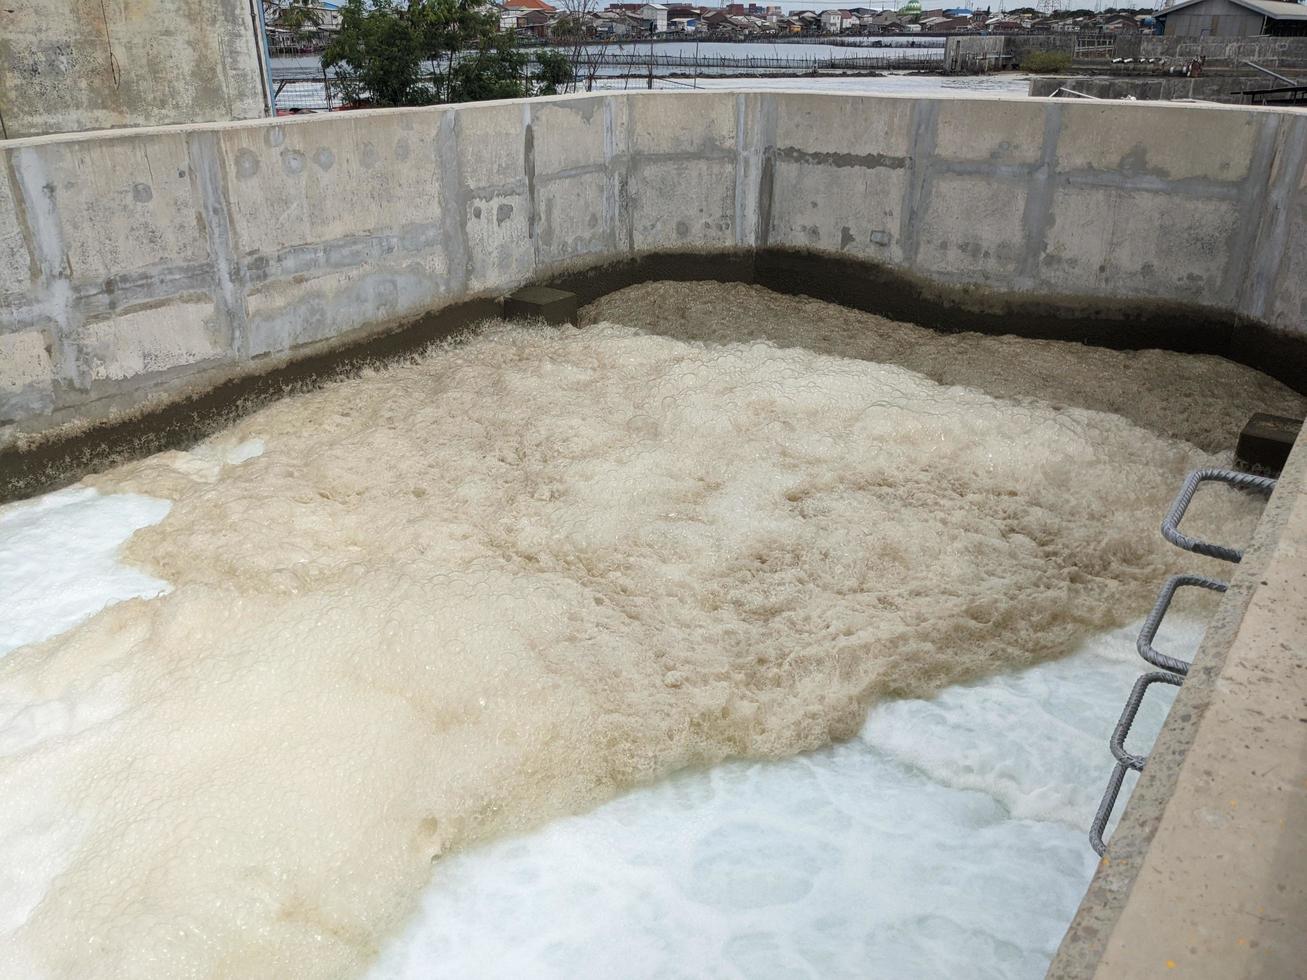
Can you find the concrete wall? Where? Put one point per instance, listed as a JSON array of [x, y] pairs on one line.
[[1269, 52], [1213, 88], [136, 262], [73, 65], [969, 53]]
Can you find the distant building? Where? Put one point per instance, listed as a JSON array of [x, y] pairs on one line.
[[1233, 18], [535, 23], [519, 7], [656, 15], [834, 21], [513, 15], [619, 23]]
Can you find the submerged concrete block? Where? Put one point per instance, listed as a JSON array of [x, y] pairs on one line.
[[541, 303], [1265, 443]]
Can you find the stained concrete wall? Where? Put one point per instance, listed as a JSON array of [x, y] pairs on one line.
[[1212, 88], [1269, 52], [73, 65], [138, 262], [969, 53]]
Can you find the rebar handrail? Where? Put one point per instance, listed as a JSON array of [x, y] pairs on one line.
[[1170, 529], [1119, 734], [1173, 670], [1144, 643], [1125, 760]]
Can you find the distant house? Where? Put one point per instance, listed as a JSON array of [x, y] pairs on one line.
[[1233, 18], [512, 16], [619, 23], [535, 23], [328, 15], [834, 21], [656, 15], [1121, 24], [520, 7]]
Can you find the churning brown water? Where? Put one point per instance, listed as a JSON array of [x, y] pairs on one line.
[[459, 596]]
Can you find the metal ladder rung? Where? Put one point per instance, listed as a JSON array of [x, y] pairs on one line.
[[1125, 760], [1144, 644], [1105, 807], [1170, 528], [1173, 670]]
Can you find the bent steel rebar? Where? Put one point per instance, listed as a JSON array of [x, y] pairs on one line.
[[1144, 643], [1170, 523], [1125, 760]]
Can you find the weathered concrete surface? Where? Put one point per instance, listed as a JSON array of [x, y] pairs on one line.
[[1211, 88], [134, 263], [969, 53], [73, 65], [1206, 876], [1269, 52]]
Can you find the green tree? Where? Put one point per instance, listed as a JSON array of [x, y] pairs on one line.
[[298, 17], [377, 55], [570, 26], [555, 72], [428, 51], [1046, 62]]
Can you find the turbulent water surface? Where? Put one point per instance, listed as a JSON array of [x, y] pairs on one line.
[[457, 597]]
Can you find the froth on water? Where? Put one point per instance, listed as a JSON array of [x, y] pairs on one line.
[[462, 595]]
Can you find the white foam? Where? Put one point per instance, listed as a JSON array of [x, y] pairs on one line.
[[58, 566], [502, 582], [948, 840], [58, 560]]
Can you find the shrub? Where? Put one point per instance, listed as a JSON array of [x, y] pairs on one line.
[[1046, 62]]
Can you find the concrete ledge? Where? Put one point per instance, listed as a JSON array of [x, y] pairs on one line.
[[1206, 874]]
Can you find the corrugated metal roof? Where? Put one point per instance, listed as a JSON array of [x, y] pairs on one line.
[[1276, 9]]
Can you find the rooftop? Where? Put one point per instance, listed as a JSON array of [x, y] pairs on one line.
[[1275, 9]]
